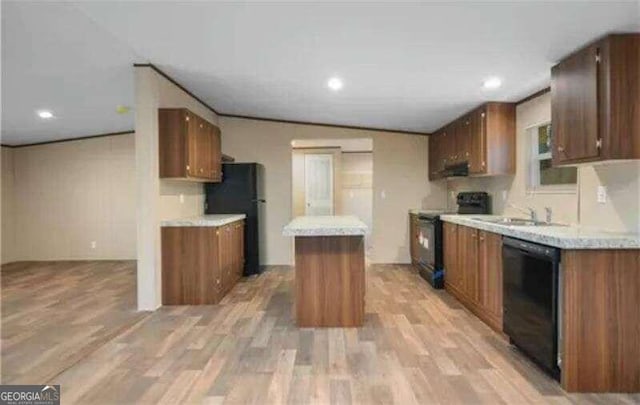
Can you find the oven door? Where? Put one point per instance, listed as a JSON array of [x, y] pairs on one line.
[[427, 242]]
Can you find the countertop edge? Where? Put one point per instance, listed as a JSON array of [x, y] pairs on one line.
[[612, 242], [343, 225], [203, 221]]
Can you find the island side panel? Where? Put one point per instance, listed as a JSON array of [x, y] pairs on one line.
[[330, 281], [601, 321]]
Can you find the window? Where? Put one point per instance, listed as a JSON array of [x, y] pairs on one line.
[[543, 176]]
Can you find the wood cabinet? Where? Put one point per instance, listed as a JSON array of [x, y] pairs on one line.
[[595, 102], [489, 280], [473, 271], [413, 238], [484, 138], [201, 264], [601, 321], [453, 277], [189, 146], [468, 261]]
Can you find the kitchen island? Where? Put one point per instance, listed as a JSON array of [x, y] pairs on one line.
[[329, 270]]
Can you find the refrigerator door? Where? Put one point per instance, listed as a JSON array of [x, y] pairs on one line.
[[237, 191], [238, 194]]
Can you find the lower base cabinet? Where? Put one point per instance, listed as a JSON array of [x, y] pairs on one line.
[[473, 271], [200, 265], [413, 236], [600, 297]]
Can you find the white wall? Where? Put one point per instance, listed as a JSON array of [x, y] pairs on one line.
[[158, 199], [400, 171], [622, 179], [67, 195]]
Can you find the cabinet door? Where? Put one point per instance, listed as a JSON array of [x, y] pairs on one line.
[[490, 276], [238, 250], [452, 276], [468, 261], [413, 236], [454, 153], [574, 107], [477, 145], [447, 145], [205, 147], [223, 249], [463, 139], [217, 265], [192, 138], [434, 156], [216, 153]]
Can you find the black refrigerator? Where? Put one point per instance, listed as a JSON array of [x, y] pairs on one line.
[[241, 192]]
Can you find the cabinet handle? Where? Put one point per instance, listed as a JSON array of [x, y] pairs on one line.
[[560, 148], [201, 170], [186, 118]]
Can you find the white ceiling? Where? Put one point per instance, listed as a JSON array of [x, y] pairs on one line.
[[410, 66], [54, 57]]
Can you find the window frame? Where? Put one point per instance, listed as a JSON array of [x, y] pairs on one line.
[[533, 165]]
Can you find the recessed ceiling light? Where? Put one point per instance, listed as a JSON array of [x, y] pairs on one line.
[[492, 83], [45, 115], [335, 83]]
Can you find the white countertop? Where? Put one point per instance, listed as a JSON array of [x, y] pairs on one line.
[[205, 220], [419, 211], [564, 237], [335, 225]]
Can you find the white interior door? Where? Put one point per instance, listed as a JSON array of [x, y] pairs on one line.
[[318, 184]]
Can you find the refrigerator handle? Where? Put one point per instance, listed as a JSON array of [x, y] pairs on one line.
[[262, 200]]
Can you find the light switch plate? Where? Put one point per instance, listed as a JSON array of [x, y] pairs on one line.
[[181, 198], [602, 194]]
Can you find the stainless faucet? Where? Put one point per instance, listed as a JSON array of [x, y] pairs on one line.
[[548, 213], [527, 210]]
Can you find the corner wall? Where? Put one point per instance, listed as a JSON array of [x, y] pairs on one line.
[[158, 199], [8, 214]]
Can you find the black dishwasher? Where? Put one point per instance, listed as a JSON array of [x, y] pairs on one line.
[[530, 288]]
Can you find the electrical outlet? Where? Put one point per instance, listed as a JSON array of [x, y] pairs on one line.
[[602, 194], [505, 194], [383, 194], [93, 244], [181, 198]]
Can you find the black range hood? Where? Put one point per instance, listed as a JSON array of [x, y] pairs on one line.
[[457, 170]]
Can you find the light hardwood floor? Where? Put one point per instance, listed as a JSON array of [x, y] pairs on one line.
[[418, 345]]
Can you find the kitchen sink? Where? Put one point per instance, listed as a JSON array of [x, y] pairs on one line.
[[516, 222]]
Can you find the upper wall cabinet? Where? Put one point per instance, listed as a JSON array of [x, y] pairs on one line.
[[595, 102], [483, 140], [189, 146]]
